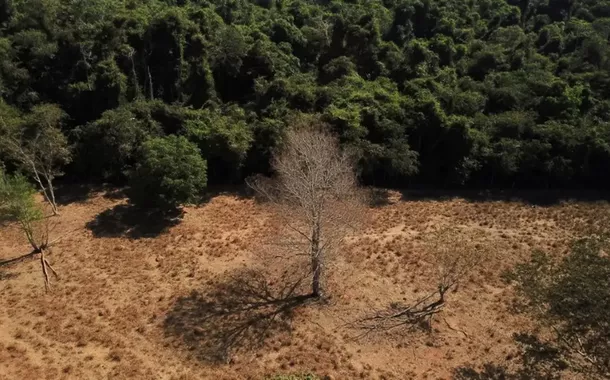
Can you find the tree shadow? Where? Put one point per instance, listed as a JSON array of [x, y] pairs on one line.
[[241, 191], [238, 315], [537, 360], [115, 194], [543, 198], [378, 197], [66, 194], [135, 223]]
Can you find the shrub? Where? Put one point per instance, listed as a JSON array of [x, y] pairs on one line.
[[17, 201], [573, 297], [170, 172]]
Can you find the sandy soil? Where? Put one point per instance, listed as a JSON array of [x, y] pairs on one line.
[[140, 298]]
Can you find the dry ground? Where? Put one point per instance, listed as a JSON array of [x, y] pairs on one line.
[[138, 302]]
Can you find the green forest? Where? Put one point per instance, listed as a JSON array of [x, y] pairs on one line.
[[486, 93]]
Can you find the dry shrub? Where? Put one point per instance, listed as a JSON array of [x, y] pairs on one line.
[[454, 256]]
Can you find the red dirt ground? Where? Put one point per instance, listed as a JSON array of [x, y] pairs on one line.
[[162, 307]]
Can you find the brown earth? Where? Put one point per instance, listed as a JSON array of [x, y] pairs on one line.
[[141, 298]]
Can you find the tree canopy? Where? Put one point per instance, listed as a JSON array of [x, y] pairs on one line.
[[450, 92], [169, 173], [573, 297]]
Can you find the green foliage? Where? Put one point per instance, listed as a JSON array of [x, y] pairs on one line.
[[223, 140], [107, 148], [573, 296], [35, 141], [17, 204], [494, 93], [17, 201], [169, 172]]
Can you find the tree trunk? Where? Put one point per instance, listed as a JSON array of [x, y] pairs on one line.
[[316, 263], [43, 263], [49, 198], [52, 200], [150, 84], [135, 77], [86, 68]]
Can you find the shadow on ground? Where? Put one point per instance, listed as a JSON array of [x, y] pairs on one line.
[[378, 197], [536, 360], [5, 275], [132, 222], [541, 198], [66, 194], [69, 193], [238, 315]]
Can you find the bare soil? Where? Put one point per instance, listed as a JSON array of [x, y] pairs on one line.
[[151, 297]]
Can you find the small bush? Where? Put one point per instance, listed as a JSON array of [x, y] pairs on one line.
[[170, 172], [17, 201]]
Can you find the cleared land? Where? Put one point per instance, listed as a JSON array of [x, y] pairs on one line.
[[143, 298]]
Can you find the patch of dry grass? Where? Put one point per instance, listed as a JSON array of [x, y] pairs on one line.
[[107, 314]]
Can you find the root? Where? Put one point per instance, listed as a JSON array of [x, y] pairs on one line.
[[51, 268], [454, 329], [43, 263]]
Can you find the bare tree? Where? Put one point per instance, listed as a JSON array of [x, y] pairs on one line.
[[39, 146], [315, 193], [453, 256]]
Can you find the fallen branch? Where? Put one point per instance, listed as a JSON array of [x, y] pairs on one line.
[[419, 314]]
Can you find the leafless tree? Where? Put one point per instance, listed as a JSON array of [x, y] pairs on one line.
[[453, 256], [39, 146], [315, 193], [40, 244]]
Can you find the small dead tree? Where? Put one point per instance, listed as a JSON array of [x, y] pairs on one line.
[[315, 193], [17, 204], [39, 146], [453, 256]]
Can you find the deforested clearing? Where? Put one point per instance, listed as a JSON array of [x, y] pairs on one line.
[[206, 298]]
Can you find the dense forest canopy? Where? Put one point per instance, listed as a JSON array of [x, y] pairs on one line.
[[446, 92]]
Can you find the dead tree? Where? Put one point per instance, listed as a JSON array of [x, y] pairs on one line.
[[315, 194], [40, 245], [454, 257]]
